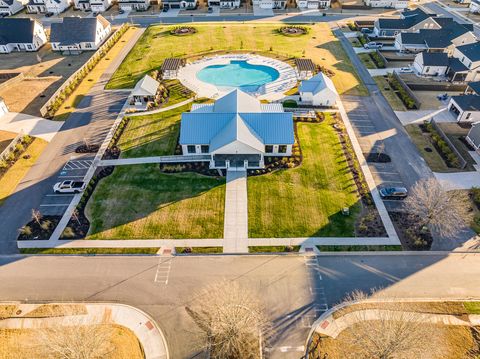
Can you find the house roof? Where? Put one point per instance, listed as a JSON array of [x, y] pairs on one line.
[[172, 64], [468, 102], [472, 51], [16, 30], [435, 38], [456, 65], [475, 86], [221, 125], [317, 83], [474, 134], [146, 87], [74, 30], [409, 18], [434, 58], [305, 65]]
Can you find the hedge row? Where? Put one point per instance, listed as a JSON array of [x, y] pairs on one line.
[[378, 60], [402, 94], [442, 146]]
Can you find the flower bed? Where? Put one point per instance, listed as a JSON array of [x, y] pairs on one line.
[[15, 154], [293, 30], [183, 30], [40, 228]]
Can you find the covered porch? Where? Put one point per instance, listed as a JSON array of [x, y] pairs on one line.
[[236, 161]]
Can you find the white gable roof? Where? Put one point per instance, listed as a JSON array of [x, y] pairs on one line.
[[146, 87], [237, 101], [317, 83]]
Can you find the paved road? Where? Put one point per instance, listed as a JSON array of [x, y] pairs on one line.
[[295, 289], [91, 121]]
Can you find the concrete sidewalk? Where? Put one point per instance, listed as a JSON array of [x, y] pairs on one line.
[[163, 109], [458, 180], [142, 325], [236, 213]]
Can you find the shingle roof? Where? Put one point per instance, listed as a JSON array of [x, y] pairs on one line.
[[468, 102], [317, 83], [18, 30], [219, 125], [146, 87], [74, 30], [475, 86], [434, 58], [474, 133], [435, 38], [456, 65], [409, 19], [472, 51]]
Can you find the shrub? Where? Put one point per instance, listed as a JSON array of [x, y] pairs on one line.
[[68, 233], [26, 231], [45, 225], [290, 104], [378, 60]]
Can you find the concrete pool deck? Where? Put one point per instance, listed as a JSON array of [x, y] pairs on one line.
[[272, 91]]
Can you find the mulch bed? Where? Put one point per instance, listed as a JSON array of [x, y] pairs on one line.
[[293, 30], [87, 149], [183, 30], [411, 239], [197, 167], [37, 232]]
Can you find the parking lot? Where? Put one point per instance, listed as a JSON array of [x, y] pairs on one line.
[[55, 204]]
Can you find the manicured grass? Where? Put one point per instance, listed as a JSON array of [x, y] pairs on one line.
[[176, 92], [472, 307], [140, 202], [93, 76], [89, 250], [307, 200], [389, 94], [366, 248], [10, 180], [156, 44], [367, 61], [152, 135]]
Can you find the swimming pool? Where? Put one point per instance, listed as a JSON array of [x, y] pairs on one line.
[[238, 74]]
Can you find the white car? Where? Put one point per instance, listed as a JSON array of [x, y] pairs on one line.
[[69, 187], [406, 70], [373, 45]]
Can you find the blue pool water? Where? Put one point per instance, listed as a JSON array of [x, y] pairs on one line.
[[239, 74]]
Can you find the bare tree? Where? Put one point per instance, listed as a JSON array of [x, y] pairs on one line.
[[36, 216], [75, 338], [384, 330], [231, 319], [444, 211]]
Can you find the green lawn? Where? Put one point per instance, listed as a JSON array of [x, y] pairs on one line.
[[176, 92], [389, 94], [367, 61], [307, 200], [89, 251], [156, 44], [140, 202], [152, 135], [472, 307]]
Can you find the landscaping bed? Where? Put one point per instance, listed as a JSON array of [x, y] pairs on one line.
[[403, 95], [410, 238], [40, 229], [90, 251], [273, 249], [198, 250], [358, 248], [442, 147], [293, 30]]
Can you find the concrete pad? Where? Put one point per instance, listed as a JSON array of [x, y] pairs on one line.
[[258, 11], [458, 180], [170, 13], [30, 125], [408, 117], [216, 11]]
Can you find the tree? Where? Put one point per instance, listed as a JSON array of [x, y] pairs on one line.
[[231, 319], [75, 338], [36, 216], [443, 211], [388, 329]]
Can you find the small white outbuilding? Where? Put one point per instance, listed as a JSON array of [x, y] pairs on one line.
[[318, 91]]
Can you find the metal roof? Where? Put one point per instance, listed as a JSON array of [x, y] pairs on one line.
[[317, 83]]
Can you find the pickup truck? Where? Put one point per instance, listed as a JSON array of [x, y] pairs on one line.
[[69, 187]]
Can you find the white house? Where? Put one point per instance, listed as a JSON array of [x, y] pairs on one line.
[[318, 91], [44, 6], [270, 4], [469, 56], [82, 5], [431, 63], [225, 4], [474, 6], [393, 4], [96, 6], [465, 108], [473, 136], [10, 7], [180, 4], [137, 5], [237, 131], [75, 34], [313, 4], [3, 107], [21, 34]]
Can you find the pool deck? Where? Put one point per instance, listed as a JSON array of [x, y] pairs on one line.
[[272, 91]]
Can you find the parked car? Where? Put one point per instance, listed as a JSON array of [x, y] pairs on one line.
[[69, 187], [373, 45], [121, 11], [210, 9], [442, 97], [165, 9], [393, 192], [49, 14], [366, 30], [406, 70]]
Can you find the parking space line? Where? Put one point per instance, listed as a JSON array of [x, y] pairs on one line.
[[55, 205], [71, 176], [163, 270], [385, 173], [59, 195]]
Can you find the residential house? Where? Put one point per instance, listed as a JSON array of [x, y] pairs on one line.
[[170, 68], [409, 21], [305, 68], [75, 34], [465, 108], [270, 4], [469, 56], [457, 71], [21, 34], [318, 91], [145, 92], [237, 131], [95, 6], [313, 4], [473, 136], [431, 63], [137, 5], [392, 4], [3, 107], [473, 88], [10, 7], [225, 4], [474, 6], [48, 6], [445, 39], [180, 4]]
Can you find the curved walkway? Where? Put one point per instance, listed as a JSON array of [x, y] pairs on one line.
[[163, 109], [140, 323]]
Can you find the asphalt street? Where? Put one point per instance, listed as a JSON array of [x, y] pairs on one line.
[[294, 289]]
